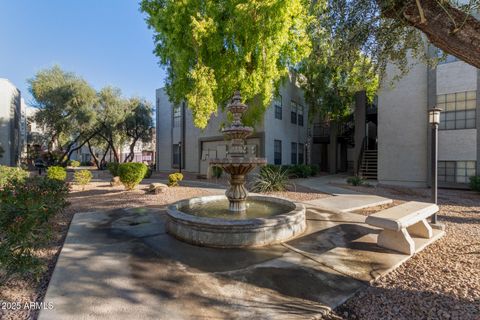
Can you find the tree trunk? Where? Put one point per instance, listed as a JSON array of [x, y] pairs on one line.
[[132, 151], [105, 154], [450, 29], [95, 159]]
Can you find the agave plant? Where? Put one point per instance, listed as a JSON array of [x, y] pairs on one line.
[[271, 179]]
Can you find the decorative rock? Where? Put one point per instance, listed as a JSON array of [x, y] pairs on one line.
[[115, 181], [157, 188]]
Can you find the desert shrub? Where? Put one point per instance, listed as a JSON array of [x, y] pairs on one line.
[[475, 183], [314, 169], [271, 179], [74, 163], [25, 210], [9, 174], [82, 177], [300, 171], [112, 167], [355, 180], [57, 173], [217, 171], [174, 179], [131, 174]]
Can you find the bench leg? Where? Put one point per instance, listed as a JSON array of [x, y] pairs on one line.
[[397, 240], [421, 229]]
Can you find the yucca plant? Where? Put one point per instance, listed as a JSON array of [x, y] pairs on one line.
[[271, 179]]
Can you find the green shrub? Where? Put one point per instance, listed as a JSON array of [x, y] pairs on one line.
[[112, 167], [131, 174], [475, 183], [300, 171], [314, 169], [174, 179], [217, 171], [57, 173], [9, 174], [271, 179], [25, 210], [74, 163], [82, 177], [356, 181]]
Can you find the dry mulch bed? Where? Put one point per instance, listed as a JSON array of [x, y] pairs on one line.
[[442, 281], [99, 196]]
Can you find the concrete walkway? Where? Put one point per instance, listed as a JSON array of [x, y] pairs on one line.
[[348, 203], [323, 184], [123, 265]]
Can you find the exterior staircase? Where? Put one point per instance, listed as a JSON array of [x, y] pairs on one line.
[[368, 166]]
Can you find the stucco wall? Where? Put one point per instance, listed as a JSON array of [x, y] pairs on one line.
[[265, 131], [9, 131], [459, 145], [284, 130], [402, 128], [164, 134], [456, 77]]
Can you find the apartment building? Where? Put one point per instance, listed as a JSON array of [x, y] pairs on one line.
[[404, 134], [10, 123], [281, 136]]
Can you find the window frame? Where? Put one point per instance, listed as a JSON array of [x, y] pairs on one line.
[[301, 153], [278, 107], [277, 154], [459, 110], [300, 117], [293, 153], [293, 112]]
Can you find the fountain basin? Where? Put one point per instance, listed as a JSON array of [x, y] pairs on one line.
[[287, 222]]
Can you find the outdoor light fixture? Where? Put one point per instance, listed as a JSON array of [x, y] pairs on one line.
[[434, 116], [434, 121]]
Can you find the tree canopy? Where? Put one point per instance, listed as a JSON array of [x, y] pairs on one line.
[[74, 114], [212, 48], [66, 107]]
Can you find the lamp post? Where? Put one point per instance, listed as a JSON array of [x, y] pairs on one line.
[[180, 156], [434, 121]]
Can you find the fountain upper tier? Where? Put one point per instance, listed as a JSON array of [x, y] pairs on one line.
[[237, 163]]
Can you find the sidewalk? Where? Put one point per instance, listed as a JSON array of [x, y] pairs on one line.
[[324, 184]]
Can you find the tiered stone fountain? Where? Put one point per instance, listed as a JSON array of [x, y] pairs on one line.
[[236, 219]]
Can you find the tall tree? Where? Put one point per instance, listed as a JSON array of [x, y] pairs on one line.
[[112, 111], [66, 109], [392, 31], [138, 124], [212, 48]]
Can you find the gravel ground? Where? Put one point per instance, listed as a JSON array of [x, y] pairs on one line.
[[442, 281], [99, 196]]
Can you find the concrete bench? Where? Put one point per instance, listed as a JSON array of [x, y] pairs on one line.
[[401, 222]]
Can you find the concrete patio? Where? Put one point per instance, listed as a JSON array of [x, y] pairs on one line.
[[122, 265]]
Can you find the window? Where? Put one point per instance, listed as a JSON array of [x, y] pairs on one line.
[[300, 115], [301, 157], [456, 171], [277, 152], [176, 155], [294, 153], [278, 107], [459, 110], [465, 170], [293, 112], [177, 116]]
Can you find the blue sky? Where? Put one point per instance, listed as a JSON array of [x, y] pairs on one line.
[[107, 42]]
